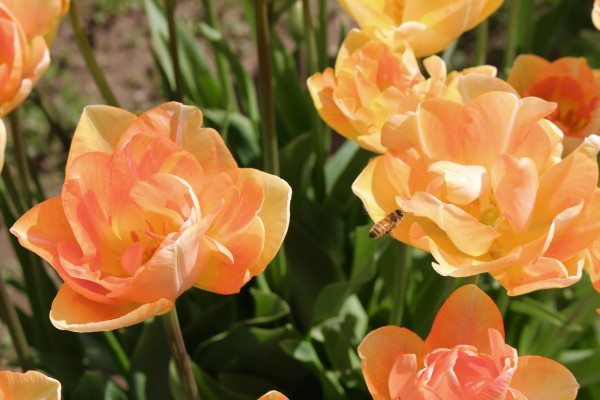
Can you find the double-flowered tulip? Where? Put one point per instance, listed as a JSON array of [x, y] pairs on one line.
[[465, 357], [426, 26], [371, 82], [30, 385], [150, 207], [570, 83], [485, 190]]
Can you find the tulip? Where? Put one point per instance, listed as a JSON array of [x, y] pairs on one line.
[[38, 17], [30, 385], [596, 14], [427, 27], [464, 357], [273, 395], [371, 82], [569, 82], [151, 206], [485, 190], [23, 59]]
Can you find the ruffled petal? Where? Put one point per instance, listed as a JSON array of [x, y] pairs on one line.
[[540, 378], [73, 312]]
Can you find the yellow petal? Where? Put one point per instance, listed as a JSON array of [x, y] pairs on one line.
[[515, 185], [274, 213], [73, 312], [31, 385], [596, 14], [540, 378], [379, 351], [468, 234], [375, 190], [99, 129]]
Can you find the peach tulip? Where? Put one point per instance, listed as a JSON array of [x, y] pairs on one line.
[[151, 206], [596, 14], [23, 58], [569, 82], [38, 17], [465, 357], [273, 395], [30, 385], [371, 82], [485, 190], [427, 27]]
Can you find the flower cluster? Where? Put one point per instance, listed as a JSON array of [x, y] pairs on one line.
[[475, 162]]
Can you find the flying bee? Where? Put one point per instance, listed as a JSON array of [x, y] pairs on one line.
[[386, 225]]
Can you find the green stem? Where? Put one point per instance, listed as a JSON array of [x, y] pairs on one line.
[[319, 137], [20, 146], [88, 55], [401, 272], [180, 356], [267, 101], [11, 187], [118, 351], [170, 6], [449, 53], [513, 34], [323, 37], [482, 42], [14, 327]]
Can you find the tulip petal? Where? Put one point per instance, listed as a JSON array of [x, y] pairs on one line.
[[596, 14], [99, 130], [273, 395], [471, 86], [540, 378], [183, 125], [515, 185], [30, 385], [525, 71], [43, 227], [463, 183], [576, 176], [375, 190], [274, 213], [465, 319], [321, 87], [73, 312], [466, 233], [379, 352]]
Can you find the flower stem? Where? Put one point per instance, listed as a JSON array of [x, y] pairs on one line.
[[118, 351], [170, 6], [7, 309], [180, 356], [323, 37], [513, 34], [267, 102], [88, 55], [401, 271], [21, 156], [482, 42]]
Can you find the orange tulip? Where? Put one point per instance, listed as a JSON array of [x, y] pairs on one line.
[[273, 395], [23, 58], [569, 82], [425, 26], [464, 357], [596, 14], [151, 206], [371, 82], [485, 190], [30, 385]]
